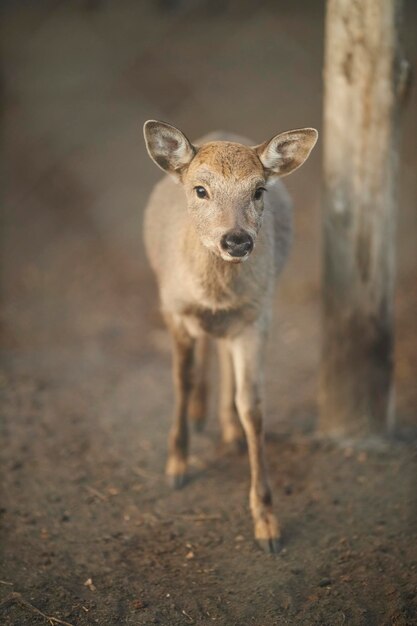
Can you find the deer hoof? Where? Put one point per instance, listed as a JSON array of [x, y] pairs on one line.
[[267, 533], [235, 446], [270, 546], [176, 472], [176, 481], [234, 440]]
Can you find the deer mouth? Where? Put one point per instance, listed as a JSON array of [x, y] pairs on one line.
[[229, 258]]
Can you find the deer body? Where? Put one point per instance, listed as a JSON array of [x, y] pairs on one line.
[[210, 295], [197, 235]]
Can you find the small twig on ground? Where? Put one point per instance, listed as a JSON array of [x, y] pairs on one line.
[[96, 493], [187, 616], [17, 598], [5, 582]]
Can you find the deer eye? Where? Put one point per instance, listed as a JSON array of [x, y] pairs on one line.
[[258, 193], [201, 192]]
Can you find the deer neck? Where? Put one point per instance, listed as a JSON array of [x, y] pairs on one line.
[[217, 280]]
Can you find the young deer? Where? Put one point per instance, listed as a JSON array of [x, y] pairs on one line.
[[216, 243]]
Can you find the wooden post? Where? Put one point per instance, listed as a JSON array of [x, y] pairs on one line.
[[362, 78]]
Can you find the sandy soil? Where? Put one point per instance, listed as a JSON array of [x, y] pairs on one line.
[[91, 534]]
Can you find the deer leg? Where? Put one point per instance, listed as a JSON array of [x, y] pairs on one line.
[[183, 357], [197, 405], [232, 434], [248, 351]]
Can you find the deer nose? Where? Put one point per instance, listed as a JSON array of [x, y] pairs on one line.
[[237, 243]]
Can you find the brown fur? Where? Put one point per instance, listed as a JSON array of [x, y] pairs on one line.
[[227, 159]]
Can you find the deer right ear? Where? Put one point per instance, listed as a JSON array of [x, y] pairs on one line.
[[168, 147], [284, 153]]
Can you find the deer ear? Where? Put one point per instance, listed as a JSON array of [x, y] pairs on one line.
[[168, 147], [282, 154]]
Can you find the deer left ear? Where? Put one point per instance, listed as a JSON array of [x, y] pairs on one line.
[[284, 153], [168, 147]]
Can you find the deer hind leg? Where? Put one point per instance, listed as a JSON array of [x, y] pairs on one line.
[[183, 360], [197, 404], [248, 350], [232, 434]]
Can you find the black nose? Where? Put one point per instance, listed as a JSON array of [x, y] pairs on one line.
[[237, 243]]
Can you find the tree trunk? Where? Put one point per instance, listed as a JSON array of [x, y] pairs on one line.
[[362, 77]]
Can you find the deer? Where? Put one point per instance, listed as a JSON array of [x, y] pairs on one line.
[[217, 232]]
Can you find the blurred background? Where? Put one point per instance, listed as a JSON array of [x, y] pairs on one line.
[[86, 376]]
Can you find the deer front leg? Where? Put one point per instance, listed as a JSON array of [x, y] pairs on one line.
[[248, 352], [183, 356], [197, 405], [232, 434]]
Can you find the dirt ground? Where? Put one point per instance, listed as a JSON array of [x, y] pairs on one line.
[[90, 532]]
